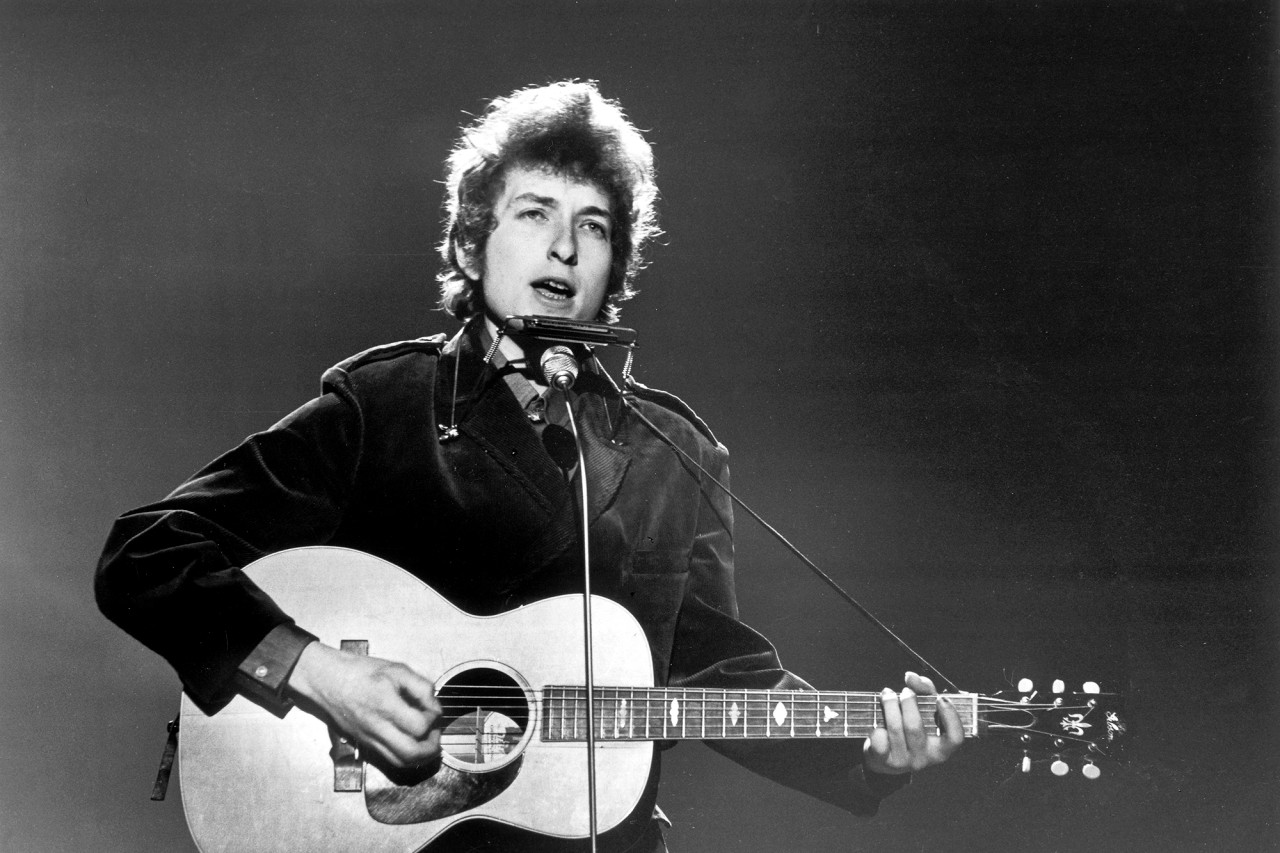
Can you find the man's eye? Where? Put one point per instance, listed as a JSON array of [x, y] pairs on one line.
[[597, 228], [534, 214]]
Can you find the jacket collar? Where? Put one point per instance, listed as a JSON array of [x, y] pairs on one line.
[[487, 413]]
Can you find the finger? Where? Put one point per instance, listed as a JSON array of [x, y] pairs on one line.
[[878, 743], [400, 749], [396, 700], [897, 753], [921, 685], [875, 753], [913, 733], [417, 690], [411, 720], [383, 741], [949, 722]]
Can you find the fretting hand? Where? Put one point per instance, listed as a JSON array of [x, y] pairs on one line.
[[902, 745]]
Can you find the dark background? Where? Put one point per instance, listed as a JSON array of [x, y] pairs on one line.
[[978, 295]]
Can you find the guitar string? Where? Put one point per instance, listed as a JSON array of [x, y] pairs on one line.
[[660, 694], [490, 702], [859, 706]]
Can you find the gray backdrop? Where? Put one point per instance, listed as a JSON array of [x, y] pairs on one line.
[[976, 294]]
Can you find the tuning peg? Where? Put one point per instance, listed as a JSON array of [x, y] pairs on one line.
[[1026, 685], [1058, 686], [1059, 767], [1090, 770], [1091, 687], [1026, 763]]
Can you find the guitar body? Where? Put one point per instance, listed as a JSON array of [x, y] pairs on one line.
[[514, 728], [251, 781]]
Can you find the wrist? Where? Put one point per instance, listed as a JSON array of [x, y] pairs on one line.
[[306, 679]]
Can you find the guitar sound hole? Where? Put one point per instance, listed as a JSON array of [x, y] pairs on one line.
[[486, 718]]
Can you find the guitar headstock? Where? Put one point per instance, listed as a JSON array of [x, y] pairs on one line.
[[1056, 724]]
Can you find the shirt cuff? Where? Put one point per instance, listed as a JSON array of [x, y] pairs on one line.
[[262, 676]]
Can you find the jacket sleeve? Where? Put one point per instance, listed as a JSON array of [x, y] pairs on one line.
[[712, 648], [170, 573]]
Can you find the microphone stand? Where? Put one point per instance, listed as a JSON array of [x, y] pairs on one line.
[[562, 377], [586, 627]]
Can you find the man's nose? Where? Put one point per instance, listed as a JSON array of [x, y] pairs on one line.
[[564, 248]]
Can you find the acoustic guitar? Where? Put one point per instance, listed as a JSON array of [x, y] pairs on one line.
[[514, 728]]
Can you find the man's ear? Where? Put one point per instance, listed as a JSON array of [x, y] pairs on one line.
[[467, 261]]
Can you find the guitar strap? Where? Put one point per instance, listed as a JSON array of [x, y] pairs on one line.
[[161, 786]]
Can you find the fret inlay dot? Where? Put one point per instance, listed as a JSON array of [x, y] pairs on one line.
[[779, 713]]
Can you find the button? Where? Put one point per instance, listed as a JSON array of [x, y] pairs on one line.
[[261, 672]]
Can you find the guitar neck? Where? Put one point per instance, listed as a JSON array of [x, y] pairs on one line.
[[673, 713]]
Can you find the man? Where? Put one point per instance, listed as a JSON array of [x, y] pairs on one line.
[[431, 457]]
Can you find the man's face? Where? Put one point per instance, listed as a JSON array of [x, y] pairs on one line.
[[550, 251]]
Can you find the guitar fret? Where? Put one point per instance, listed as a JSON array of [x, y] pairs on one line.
[[755, 715], [827, 721], [829, 714], [658, 713]]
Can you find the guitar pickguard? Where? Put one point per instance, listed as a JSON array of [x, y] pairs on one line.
[[447, 793]]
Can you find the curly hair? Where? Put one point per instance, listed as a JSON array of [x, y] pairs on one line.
[[567, 127]]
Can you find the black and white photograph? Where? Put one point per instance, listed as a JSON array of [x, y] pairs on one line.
[[680, 426]]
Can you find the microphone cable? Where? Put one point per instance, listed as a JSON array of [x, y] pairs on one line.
[[627, 402]]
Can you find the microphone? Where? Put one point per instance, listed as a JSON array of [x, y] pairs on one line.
[[559, 367]]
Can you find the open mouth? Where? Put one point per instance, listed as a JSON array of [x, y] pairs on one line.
[[553, 288]]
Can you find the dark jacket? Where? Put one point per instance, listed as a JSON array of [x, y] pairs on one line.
[[486, 519]]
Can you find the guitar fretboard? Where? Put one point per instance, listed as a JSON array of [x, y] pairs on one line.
[[662, 713]]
